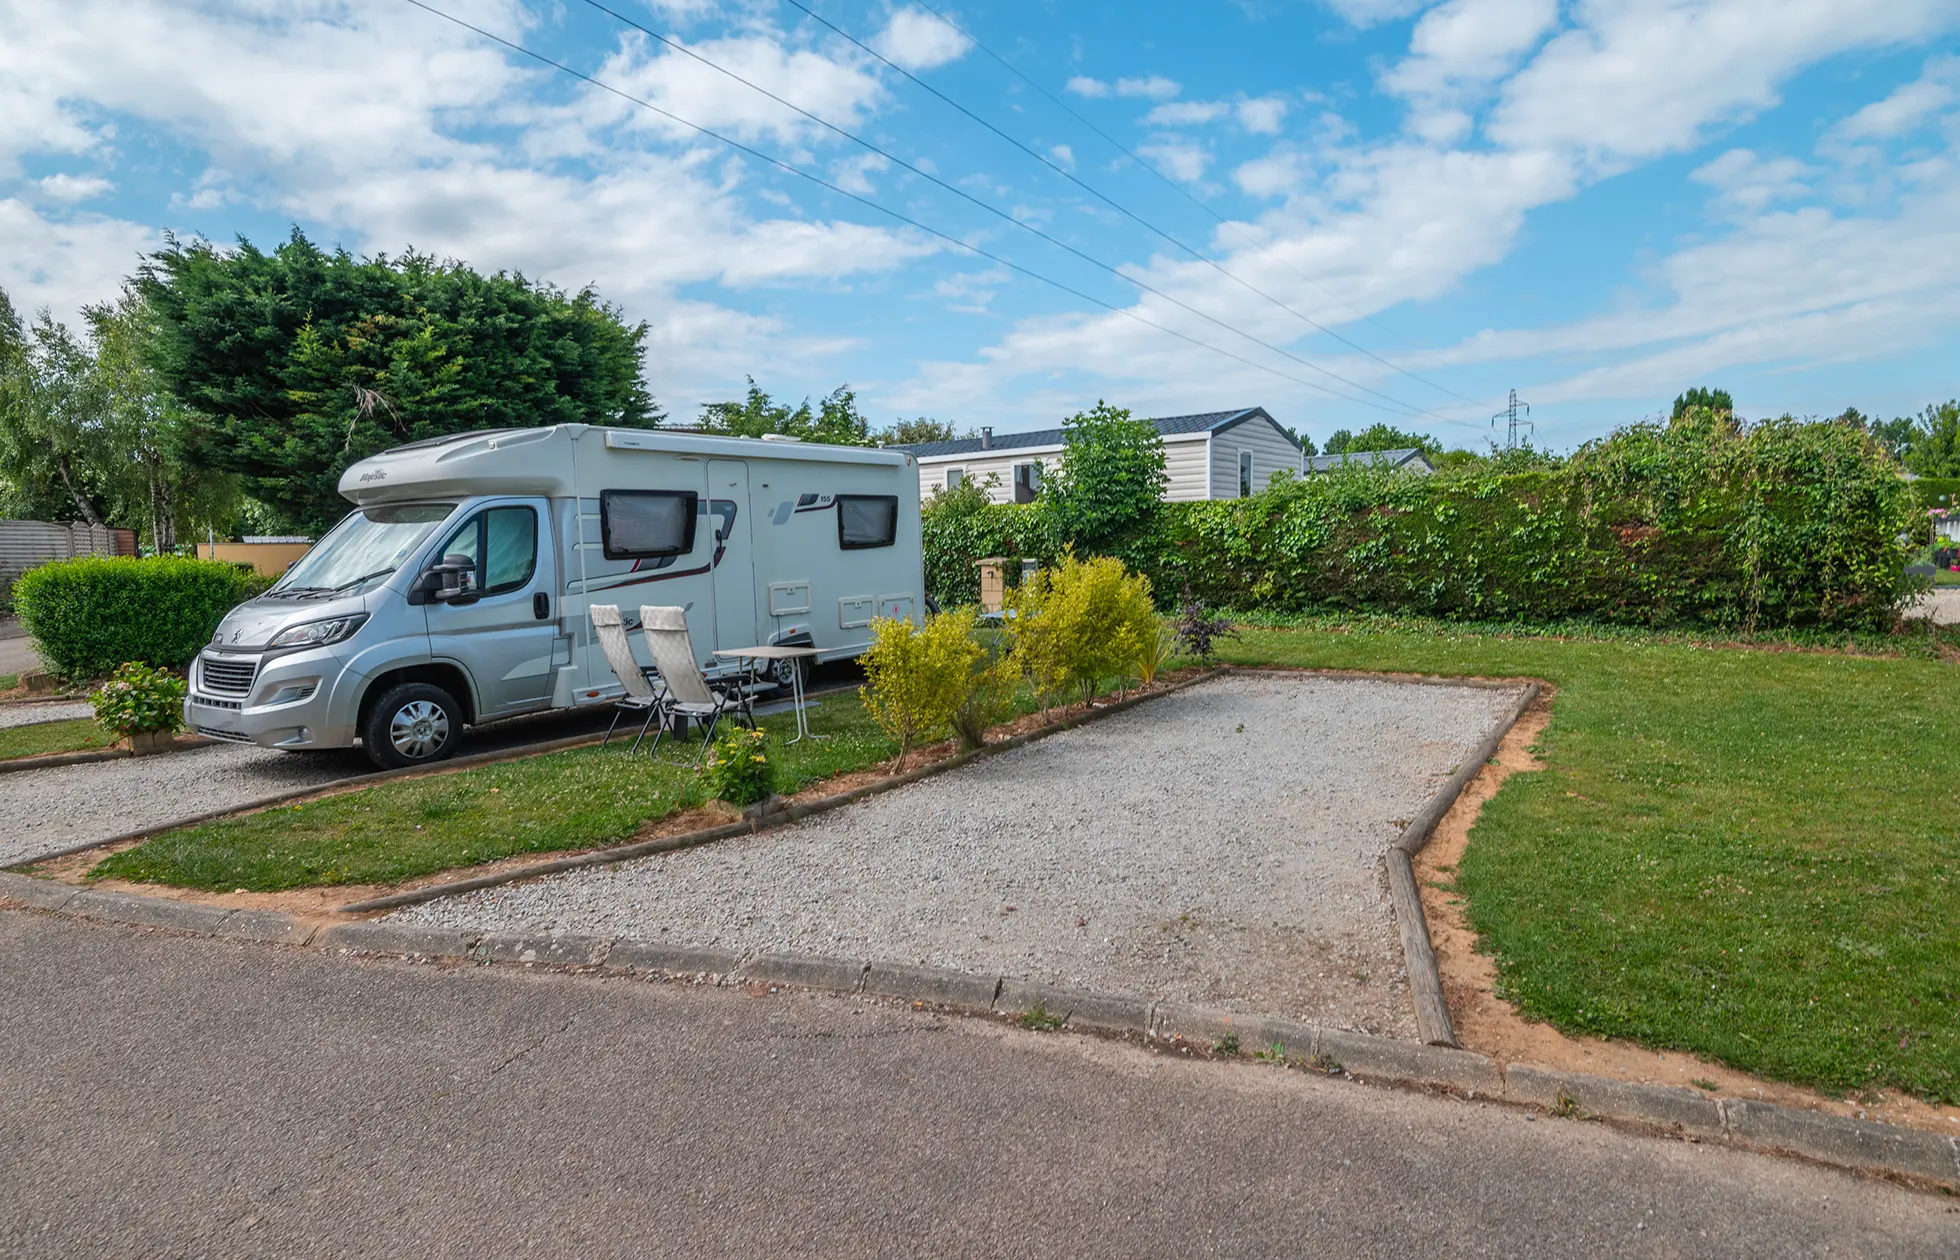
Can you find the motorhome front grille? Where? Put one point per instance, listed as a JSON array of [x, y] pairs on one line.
[[226, 677], [230, 737]]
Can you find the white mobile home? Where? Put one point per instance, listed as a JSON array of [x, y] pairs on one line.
[[457, 591], [1215, 455]]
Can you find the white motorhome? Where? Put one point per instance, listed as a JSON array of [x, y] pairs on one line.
[[456, 592]]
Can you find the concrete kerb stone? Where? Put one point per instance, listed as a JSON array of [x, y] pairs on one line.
[[1208, 1028], [551, 949], [1664, 1106], [266, 925], [365, 937], [1078, 1008], [1843, 1140], [44, 894], [805, 971], [934, 986], [656, 958], [189, 916], [1383, 1058]]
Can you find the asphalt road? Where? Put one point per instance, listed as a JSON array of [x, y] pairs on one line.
[[165, 1095]]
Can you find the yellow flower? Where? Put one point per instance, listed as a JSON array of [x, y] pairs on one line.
[[760, 759]]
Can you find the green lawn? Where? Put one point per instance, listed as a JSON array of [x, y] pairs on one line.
[[9, 681], [34, 739], [1753, 855], [576, 799]]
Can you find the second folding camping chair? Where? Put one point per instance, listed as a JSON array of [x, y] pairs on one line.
[[610, 629], [687, 691]]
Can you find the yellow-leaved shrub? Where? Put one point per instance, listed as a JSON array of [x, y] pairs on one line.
[[917, 677], [1080, 624]]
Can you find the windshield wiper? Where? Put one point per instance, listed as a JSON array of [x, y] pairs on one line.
[[365, 577]]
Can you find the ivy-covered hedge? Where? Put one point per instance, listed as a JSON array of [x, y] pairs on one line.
[[1937, 492], [1784, 523], [92, 615]]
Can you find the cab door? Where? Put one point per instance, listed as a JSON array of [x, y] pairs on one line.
[[505, 627], [734, 555]]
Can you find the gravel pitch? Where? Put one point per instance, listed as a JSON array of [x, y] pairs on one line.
[[42, 811], [1221, 845], [12, 715]]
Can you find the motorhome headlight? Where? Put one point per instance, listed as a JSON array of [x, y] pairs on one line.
[[318, 633]]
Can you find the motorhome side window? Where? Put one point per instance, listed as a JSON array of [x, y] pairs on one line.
[[502, 544], [638, 524], [866, 520]]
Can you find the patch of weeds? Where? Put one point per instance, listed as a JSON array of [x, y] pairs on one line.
[[1226, 1045], [1039, 1019], [1275, 1053], [1326, 1063], [1702, 1082], [1563, 1104]]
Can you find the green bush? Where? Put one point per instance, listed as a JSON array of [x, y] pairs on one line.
[[140, 699], [960, 526], [91, 615], [738, 769], [917, 678], [1081, 623]]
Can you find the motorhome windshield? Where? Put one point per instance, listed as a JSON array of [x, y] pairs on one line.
[[363, 549]]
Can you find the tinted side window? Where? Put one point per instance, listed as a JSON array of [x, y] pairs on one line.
[[866, 520], [636, 524], [502, 544]]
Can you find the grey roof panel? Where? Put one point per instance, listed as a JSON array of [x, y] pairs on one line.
[[1167, 426]]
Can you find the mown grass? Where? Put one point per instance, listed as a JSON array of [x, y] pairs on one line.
[[1750, 854], [580, 798], [39, 738]]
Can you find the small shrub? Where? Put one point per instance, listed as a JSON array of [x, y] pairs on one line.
[[995, 677], [1199, 630], [1157, 651], [1080, 623], [916, 678], [738, 769], [91, 615], [139, 699]]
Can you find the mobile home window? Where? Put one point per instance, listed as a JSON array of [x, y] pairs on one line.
[[954, 476], [637, 524], [502, 544], [1027, 482], [1245, 474], [866, 520]]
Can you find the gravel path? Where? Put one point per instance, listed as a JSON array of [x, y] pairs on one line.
[[28, 714], [1221, 845], [45, 810], [1941, 606]]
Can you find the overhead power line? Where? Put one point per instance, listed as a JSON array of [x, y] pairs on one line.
[[1009, 218], [908, 221], [1123, 210]]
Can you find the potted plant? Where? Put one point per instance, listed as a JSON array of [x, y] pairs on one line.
[[144, 706]]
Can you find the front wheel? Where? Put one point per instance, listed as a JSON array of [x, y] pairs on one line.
[[786, 671], [413, 724]]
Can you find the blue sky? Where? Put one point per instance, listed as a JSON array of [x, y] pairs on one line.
[[1596, 203]]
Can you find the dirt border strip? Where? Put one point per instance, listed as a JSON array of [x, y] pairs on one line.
[[1425, 978], [1908, 1155], [761, 821]]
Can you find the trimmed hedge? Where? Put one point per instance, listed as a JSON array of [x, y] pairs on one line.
[[92, 615], [1697, 523], [1930, 491]]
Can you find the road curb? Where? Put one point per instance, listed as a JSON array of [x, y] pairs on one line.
[[1840, 1141]]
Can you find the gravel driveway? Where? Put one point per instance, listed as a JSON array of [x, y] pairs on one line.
[[45, 810], [29, 714], [1221, 845]]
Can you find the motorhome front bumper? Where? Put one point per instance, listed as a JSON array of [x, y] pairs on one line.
[[279, 701]]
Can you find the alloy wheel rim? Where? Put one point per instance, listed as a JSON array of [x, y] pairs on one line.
[[418, 729]]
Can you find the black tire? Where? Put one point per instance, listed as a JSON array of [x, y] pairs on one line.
[[413, 724], [784, 672]]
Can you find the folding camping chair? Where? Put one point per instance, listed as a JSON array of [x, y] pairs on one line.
[[610, 629], [687, 691]]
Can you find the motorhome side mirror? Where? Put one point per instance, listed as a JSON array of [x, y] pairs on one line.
[[453, 580]]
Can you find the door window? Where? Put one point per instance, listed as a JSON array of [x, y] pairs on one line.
[[502, 544]]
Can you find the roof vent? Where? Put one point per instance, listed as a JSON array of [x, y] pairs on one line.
[[780, 437], [986, 438]]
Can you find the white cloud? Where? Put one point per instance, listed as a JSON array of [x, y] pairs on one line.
[[1467, 43], [64, 264], [853, 174], [1750, 183], [1187, 113], [1179, 159], [1639, 78], [919, 40], [1365, 13], [1083, 85], [1907, 107], [840, 92], [971, 292], [71, 188], [1262, 115], [1063, 154], [1155, 87]]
